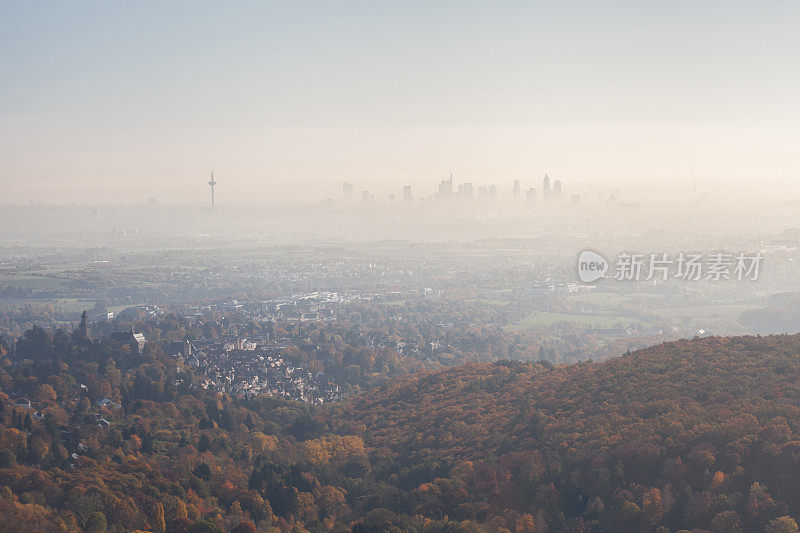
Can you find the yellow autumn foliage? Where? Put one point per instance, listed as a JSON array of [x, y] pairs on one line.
[[333, 450]]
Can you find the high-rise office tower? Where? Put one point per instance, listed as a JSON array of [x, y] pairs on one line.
[[365, 197], [446, 188], [546, 188], [407, 194], [467, 195], [517, 190], [347, 191], [557, 190], [530, 195]]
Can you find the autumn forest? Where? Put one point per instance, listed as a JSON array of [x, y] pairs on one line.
[[699, 435]]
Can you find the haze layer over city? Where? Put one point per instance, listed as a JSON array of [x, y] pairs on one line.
[[373, 266]]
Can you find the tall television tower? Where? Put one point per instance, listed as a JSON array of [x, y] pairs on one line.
[[212, 183]]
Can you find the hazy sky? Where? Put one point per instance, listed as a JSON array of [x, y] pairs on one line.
[[122, 101]]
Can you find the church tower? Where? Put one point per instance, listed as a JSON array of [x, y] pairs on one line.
[[84, 329]]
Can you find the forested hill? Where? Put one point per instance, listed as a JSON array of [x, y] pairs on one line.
[[668, 393], [700, 433]]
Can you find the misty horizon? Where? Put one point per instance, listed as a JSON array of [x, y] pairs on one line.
[[232, 192], [118, 104]]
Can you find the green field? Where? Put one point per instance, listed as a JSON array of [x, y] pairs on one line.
[[545, 318], [728, 312], [487, 301], [74, 305], [26, 281], [610, 299]]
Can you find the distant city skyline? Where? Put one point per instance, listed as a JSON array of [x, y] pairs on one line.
[[469, 188], [124, 102]]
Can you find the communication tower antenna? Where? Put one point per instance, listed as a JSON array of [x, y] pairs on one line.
[[212, 182]]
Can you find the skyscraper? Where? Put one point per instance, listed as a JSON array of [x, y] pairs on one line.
[[517, 190], [407, 194], [467, 195], [557, 190], [347, 191], [446, 188], [546, 188]]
